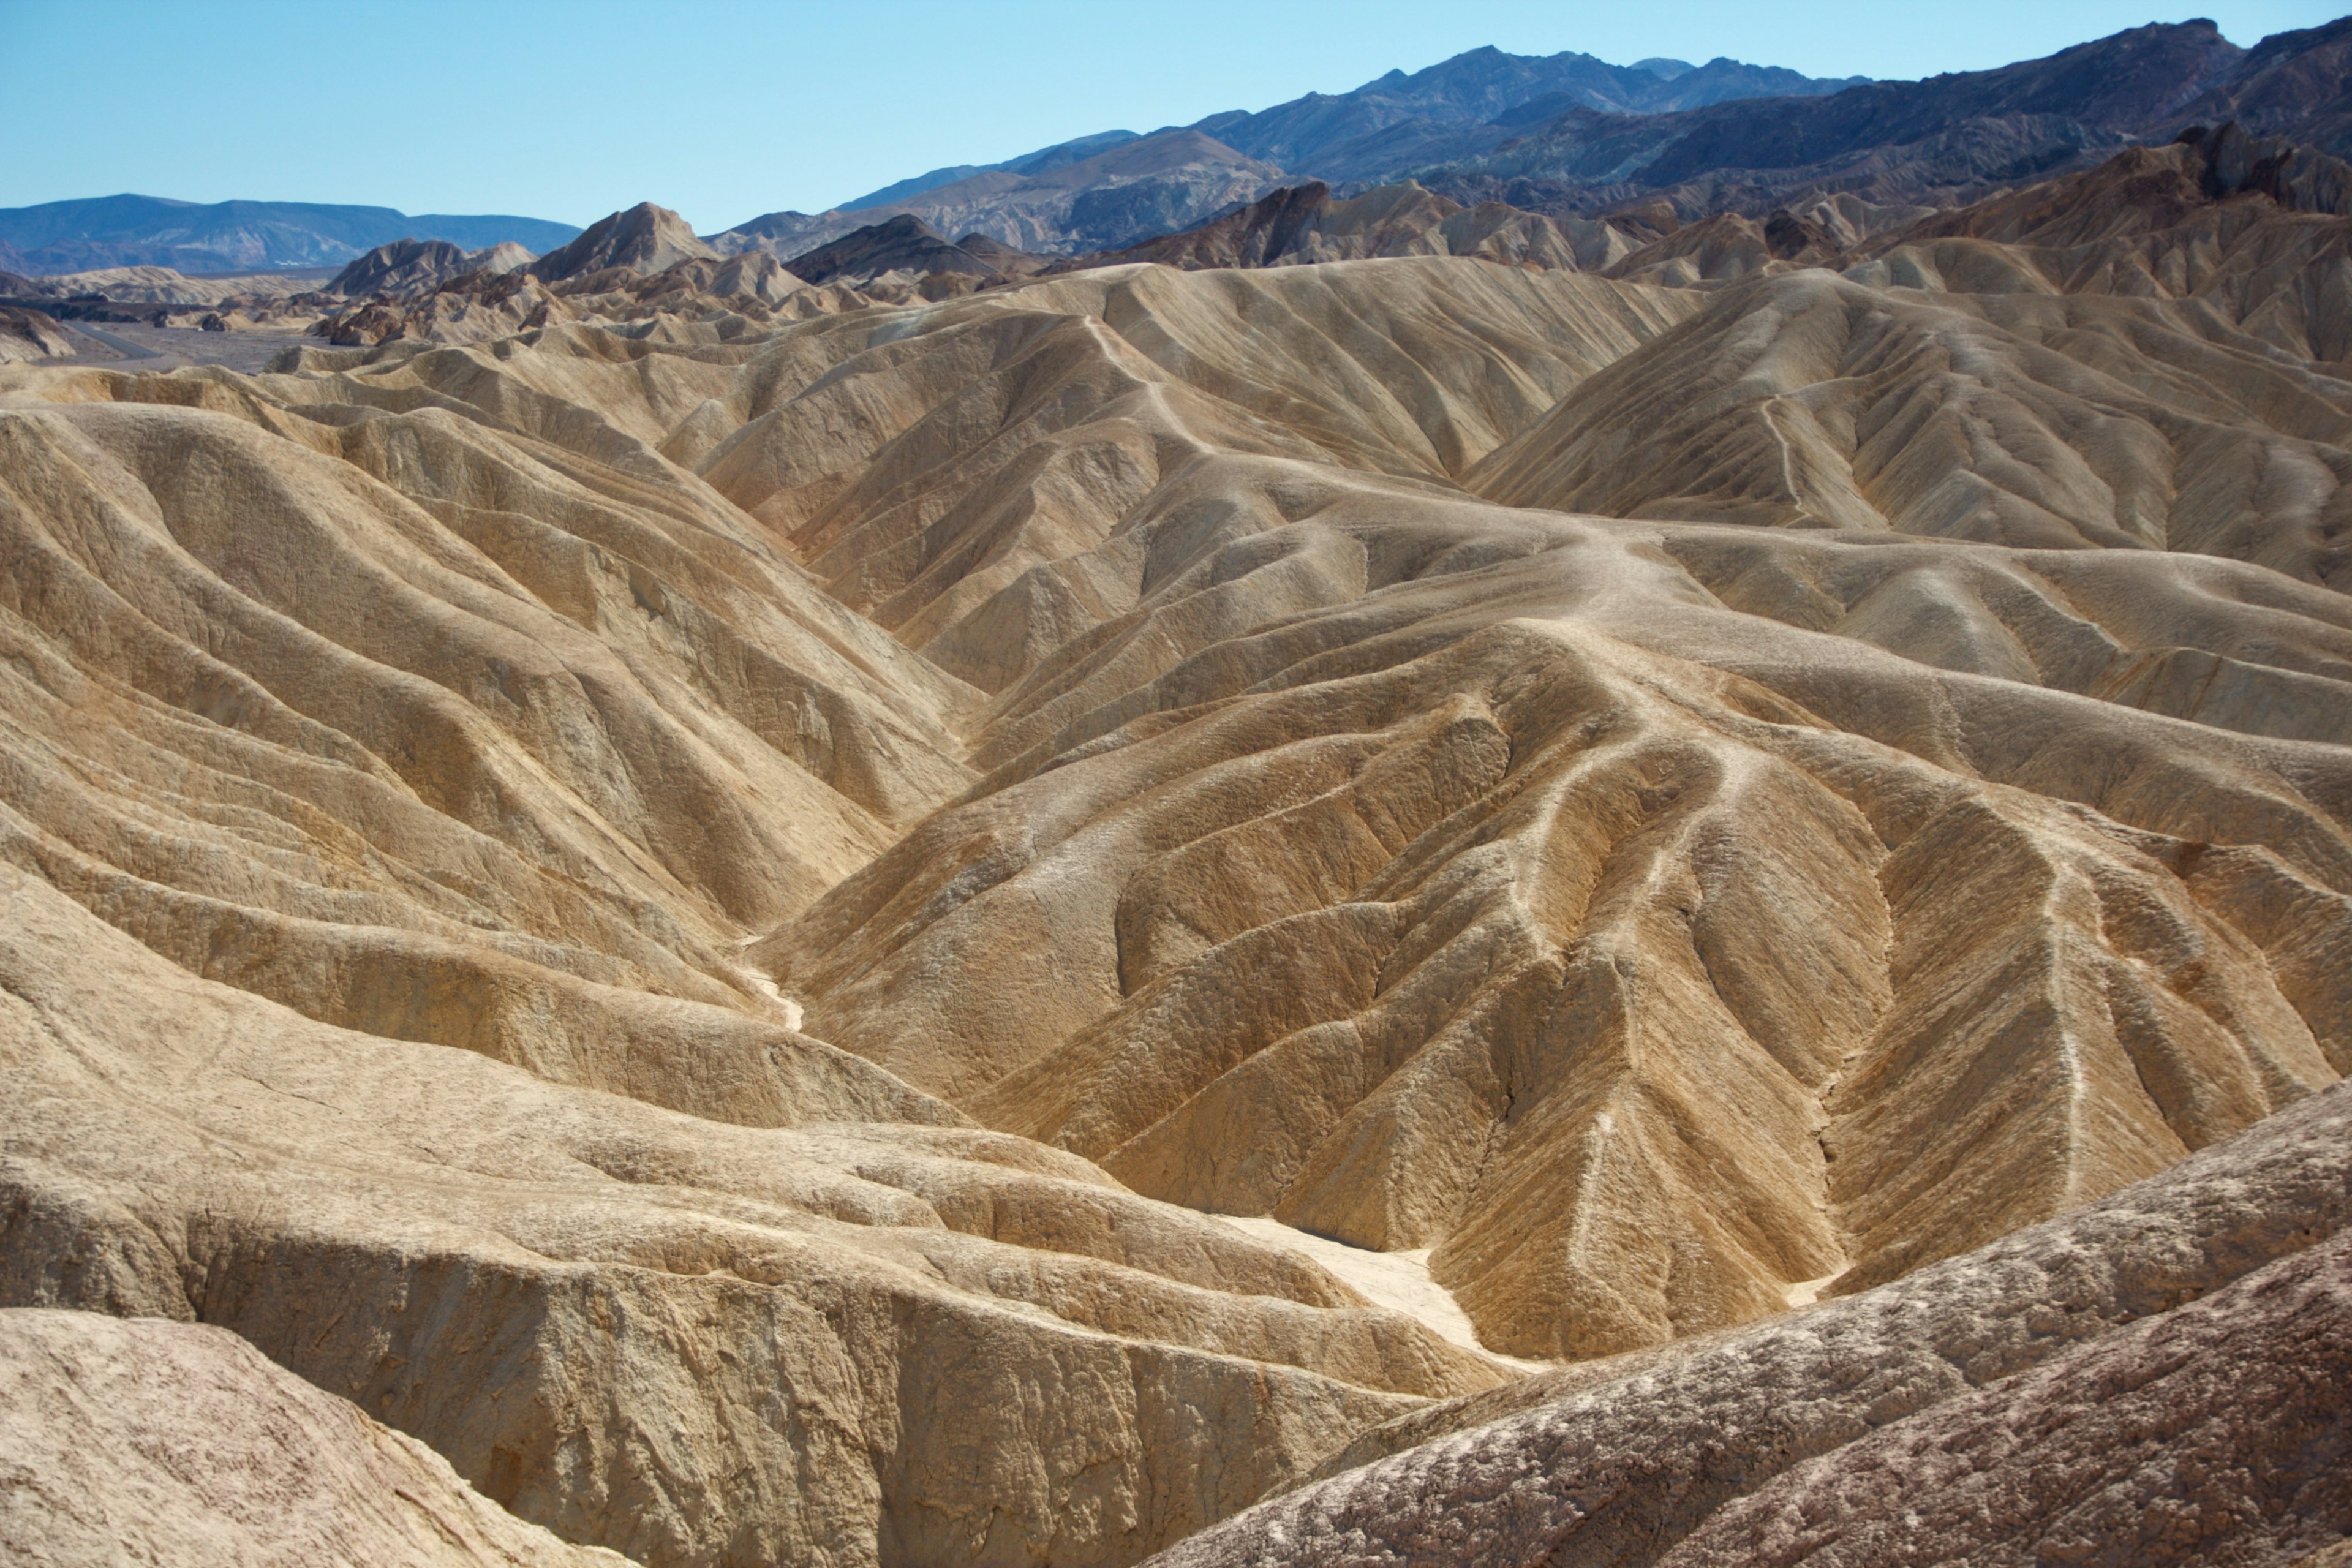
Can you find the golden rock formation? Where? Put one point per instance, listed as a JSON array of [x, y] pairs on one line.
[[142, 1440], [677, 896], [691, 1342], [2157, 1377]]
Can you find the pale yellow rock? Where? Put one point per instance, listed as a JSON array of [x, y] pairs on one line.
[[141, 1441], [690, 1341], [527, 857]]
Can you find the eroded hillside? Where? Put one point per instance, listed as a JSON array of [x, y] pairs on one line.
[[691, 910]]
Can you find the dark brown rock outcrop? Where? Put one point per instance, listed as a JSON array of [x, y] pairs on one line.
[[2219, 1432], [906, 244]]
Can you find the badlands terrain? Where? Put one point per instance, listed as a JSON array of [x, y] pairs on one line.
[[1385, 879]]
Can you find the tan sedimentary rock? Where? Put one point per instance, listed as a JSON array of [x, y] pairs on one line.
[[165, 285], [490, 297], [144, 1441], [769, 731], [969, 491], [2027, 419], [692, 1342], [644, 237], [1430, 875], [27, 335], [509, 760], [2156, 1378]]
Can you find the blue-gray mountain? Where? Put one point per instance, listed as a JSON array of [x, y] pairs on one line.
[[1117, 188], [1944, 141], [1571, 135], [230, 237]]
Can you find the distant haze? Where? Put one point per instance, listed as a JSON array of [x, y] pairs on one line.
[[728, 109]]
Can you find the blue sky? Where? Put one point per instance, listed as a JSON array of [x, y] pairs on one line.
[[725, 109]]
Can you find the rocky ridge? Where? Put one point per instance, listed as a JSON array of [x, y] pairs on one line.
[[1135, 188], [2156, 1377], [409, 266], [141, 1439], [682, 885]]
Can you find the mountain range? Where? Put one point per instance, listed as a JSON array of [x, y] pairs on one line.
[[1565, 135], [1094, 192], [1570, 136], [1117, 188], [234, 236]]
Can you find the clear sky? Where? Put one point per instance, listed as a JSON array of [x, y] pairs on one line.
[[726, 109]]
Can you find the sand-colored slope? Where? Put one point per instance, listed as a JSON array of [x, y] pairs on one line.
[[2188, 222], [1809, 399], [464, 720], [1426, 874], [147, 1441], [693, 1342], [1486, 911], [939, 483], [1105, 709], [2156, 1378]]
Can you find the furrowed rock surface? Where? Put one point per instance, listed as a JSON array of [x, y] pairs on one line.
[[2216, 1432], [688, 1341], [2156, 1378], [145, 1441], [665, 895], [1305, 224], [1597, 903], [2023, 418], [407, 266], [474, 722], [699, 299]]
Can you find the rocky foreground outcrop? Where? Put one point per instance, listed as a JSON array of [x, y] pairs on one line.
[[693, 1342], [2161, 1377], [140, 1440]]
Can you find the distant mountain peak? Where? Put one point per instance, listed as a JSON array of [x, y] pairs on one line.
[[644, 237]]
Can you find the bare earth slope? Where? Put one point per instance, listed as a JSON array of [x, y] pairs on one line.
[[1428, 874], [2156, 1378], [690, 1341], [682, 904], [144, 1441]]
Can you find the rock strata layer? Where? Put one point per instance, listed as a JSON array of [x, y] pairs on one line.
[[683, 884], [145, 1441], [2159, 1378]]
